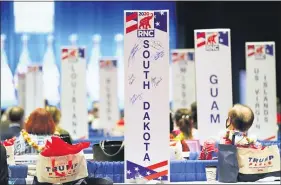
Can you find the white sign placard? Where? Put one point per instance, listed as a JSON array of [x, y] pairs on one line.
[[261, 88], [21, 89], [34, 89], [184, 89], [108, 111], [213, 80], [74, 92], [146, 60]]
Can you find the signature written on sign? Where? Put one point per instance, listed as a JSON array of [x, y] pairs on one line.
[[136, 97], [155, 81], [131, 79], [158, 55], [134, 50], [156, 45]]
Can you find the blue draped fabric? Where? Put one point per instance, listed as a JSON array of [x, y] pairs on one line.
[[82, 18], [13, 43]]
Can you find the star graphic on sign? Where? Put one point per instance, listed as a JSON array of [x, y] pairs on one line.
[[162, 12], [154, 16], [147, 173], [160, 178], [267, 51], [129, 172], [136, 169], [157, 23], [221, 40]]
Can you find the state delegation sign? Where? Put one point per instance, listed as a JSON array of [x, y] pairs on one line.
[[146, 60], [261, 88], [213, 80], [74, 92]]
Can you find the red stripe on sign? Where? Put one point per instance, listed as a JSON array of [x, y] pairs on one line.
[[201, 35], [201, 44], [279, 118], [158, 165], [157, 175], [131, 17], [251, 54], [132, 28]]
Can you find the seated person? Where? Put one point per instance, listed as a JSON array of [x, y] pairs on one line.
[[15, 115], [175, 137], [194, 114], [183, 121], [4, 175], [239, 121], [56, 115], [38, 128], [5, 121]]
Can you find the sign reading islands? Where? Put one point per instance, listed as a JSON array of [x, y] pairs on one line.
[[213, 80], [73, 92], [261, 88], [183, 67], [109, 111], [146, 60]]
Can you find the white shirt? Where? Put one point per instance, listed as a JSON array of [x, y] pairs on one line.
[[239, 137]]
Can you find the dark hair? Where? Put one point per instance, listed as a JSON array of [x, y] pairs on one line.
[[16, 114], [40, 122], [194, 114], [171, 123], [241, 117], [183, 121]]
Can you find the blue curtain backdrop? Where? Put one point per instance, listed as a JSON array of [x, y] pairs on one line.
[[82, 18]]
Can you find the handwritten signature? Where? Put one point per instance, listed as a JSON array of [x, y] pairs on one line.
[[157, 45], [131, 79], [136, 97], [156, 81], [134, 50], [158, 55]]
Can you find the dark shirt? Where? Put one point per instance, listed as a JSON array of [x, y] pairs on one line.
[[13, 131], [4, 174]]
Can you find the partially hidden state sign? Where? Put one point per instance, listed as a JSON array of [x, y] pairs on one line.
[[261, 88], [183, 72], [33, 89], [109, 111]]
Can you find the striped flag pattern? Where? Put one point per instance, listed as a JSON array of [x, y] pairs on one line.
[[250, 50], [176, 57], [158, 171], [131, 21], [200, 39]]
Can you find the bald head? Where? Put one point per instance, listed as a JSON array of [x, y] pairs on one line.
[[241, 117]]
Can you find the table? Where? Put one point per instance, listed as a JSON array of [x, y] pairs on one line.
[[181, 171]]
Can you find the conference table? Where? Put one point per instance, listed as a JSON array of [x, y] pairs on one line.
[[180, 171]]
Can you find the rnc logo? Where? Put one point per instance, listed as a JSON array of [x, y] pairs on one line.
[[145, 24], [212, 43], [145, 33]]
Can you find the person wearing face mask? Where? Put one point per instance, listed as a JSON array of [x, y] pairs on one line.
[[239, 121]]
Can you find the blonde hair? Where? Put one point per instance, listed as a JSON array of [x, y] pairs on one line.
[[55, 113]]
